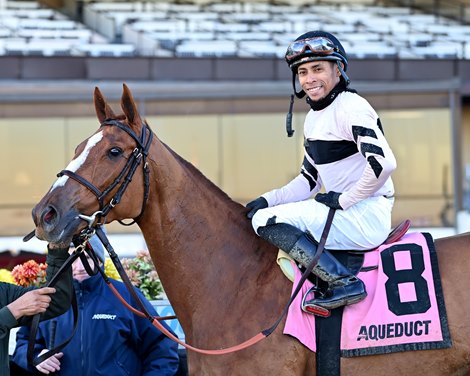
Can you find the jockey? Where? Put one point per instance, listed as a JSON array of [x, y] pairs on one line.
[[347, 154]]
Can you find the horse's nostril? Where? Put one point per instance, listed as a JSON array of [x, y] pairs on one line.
[[49, 215]]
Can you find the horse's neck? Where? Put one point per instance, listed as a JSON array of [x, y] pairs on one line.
[[189, 222], [205, 251]]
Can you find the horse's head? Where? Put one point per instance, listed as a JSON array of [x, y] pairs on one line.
[[104, 178]]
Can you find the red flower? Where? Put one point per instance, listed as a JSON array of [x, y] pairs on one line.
[[30, 273]]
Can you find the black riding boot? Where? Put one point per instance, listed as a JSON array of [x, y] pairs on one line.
[[344, 288]]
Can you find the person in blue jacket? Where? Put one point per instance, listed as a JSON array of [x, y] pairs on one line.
[[110, 339]]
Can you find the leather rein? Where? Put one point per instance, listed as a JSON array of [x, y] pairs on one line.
[[155, 320], [140, 154]]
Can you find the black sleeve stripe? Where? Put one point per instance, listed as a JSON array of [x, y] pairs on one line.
[[363, 132], [375, 165], [310, 173], [311, 182], [309, 168], [379, 124], [371, 148]]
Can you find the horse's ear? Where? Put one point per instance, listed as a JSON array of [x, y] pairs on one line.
[[102, 109], [129, 107]]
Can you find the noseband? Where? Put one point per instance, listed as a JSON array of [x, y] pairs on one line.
[[139, 154]]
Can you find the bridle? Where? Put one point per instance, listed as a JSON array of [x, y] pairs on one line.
[[139, 154]]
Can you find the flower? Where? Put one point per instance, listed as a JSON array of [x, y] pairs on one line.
[[143, 275], [110, 269], [30, 273], [5, 276], [140, 271]]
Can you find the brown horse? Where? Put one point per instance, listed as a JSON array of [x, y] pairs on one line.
[[221, 279]]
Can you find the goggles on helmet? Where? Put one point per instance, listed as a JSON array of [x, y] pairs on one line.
[[318, 46]]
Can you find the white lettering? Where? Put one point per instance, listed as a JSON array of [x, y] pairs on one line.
[[103, 316], [394, 330]]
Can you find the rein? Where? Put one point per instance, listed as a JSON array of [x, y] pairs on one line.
[[154, 320], [139, 154], [36, 318]]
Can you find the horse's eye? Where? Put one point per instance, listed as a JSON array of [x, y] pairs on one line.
[[115, 152]]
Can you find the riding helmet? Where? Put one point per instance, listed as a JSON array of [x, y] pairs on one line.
[[339, 53]]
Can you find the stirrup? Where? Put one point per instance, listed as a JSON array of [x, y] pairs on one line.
[[313, 308]]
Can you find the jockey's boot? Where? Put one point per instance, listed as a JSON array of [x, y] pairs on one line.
[[344, 288]]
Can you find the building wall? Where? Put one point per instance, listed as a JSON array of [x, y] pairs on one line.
[[245, 154]]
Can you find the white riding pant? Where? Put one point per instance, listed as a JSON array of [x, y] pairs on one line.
[[363, 226]]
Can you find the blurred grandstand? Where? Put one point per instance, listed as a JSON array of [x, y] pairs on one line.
[[245, 31], [231, 29], [218, 66]]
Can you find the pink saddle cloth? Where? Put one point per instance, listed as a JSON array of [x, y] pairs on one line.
[[404, 308]]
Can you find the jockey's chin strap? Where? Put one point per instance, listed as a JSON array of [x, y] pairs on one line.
[[139, 154], [81, 246], [154, 320]]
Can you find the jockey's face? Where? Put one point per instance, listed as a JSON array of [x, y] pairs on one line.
[[318, 78]]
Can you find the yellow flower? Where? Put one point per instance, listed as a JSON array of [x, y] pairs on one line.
[[110, 270], [5, 276], [143, 275]]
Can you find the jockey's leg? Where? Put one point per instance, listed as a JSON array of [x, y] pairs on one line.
[[344, 288]]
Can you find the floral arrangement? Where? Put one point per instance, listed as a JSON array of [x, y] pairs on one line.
[[5, 276], [143, 275], [140, 271], [30, 273], [110, 269]]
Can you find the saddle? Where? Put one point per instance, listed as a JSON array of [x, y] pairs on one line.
[[398, 232]]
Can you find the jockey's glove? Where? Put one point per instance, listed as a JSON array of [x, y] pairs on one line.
[[255, 205], [330, 199]]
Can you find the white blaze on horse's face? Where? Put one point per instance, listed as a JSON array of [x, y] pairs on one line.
[[76, 163]]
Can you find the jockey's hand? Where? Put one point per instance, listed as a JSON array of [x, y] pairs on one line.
[[330, 199], [255, 205]]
